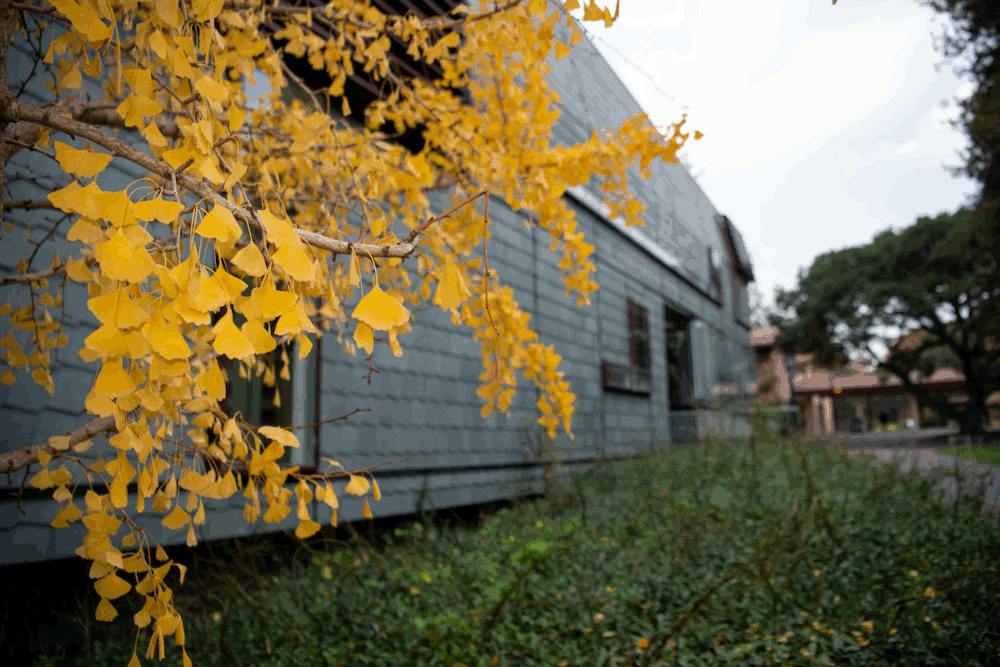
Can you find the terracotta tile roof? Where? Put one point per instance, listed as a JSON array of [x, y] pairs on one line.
[[824, 380], [763, 336]]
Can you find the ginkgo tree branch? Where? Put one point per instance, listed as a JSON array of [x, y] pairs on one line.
[[27, 204], [436, 23], [24, 457], [17, 110], [35, 276]]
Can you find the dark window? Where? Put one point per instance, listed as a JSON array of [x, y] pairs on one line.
[[638, 335], [680, 386], [277, 389], [741, 301], [715, 277]]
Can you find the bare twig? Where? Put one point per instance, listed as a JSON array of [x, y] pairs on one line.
[[424, 225], [327, 421]]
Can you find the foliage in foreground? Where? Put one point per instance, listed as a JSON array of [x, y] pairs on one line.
[[704, 556], [221, 254]]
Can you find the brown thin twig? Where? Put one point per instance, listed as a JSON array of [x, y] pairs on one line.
[[371, 467], [416, 230], [327, 421], [486, 261]]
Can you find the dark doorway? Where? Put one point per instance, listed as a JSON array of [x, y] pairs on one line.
[[680, 385]]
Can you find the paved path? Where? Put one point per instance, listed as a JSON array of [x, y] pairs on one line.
[[909, 437], [980, 478]]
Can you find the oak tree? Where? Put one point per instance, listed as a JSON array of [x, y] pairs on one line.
[[928, 280]]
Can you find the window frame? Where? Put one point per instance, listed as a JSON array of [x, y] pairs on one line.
[[639, 348], [677, 319], [714, 279], [740, 292]]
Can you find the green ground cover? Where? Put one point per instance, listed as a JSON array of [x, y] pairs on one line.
[[989, 455], [704, 556]]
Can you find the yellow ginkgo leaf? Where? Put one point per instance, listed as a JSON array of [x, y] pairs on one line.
[[271, 303], [106, 611], [74, 199], [83, 163], [212, 227], [183, 272], [212, 383], [204, 294], [305, 346], [112, 381], [120, 261], [592, 12], [175, 157], [238, 168], [397, 351], [107, 341], [230, 341], [78, 271], [358, 486], [263, 342], [230, 284], [176, 519], [219, 224], [380, 311], [169, 343], [364, 337], [112, 587], [307, 528], [452, 290], [575, 37], [291, 323], [294, 261], [85, 231], [211, 89], [250, 261], [354, 276], [189, 314], [237, 117], [367, 513], [115, 207], [136, 235], [279, 435], [153, 136], [158, 209], [278, 230], [561, 50]]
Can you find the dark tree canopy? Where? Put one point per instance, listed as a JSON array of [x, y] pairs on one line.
[[926, 277], [974, 35]]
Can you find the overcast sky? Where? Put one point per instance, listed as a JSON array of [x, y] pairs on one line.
[[823, 124]]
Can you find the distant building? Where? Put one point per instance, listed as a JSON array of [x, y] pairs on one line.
[[828, 400]]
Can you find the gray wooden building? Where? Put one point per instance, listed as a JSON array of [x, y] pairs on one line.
[[664, 344]]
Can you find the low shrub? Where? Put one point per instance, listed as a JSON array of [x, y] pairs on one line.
[[747, 553]]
